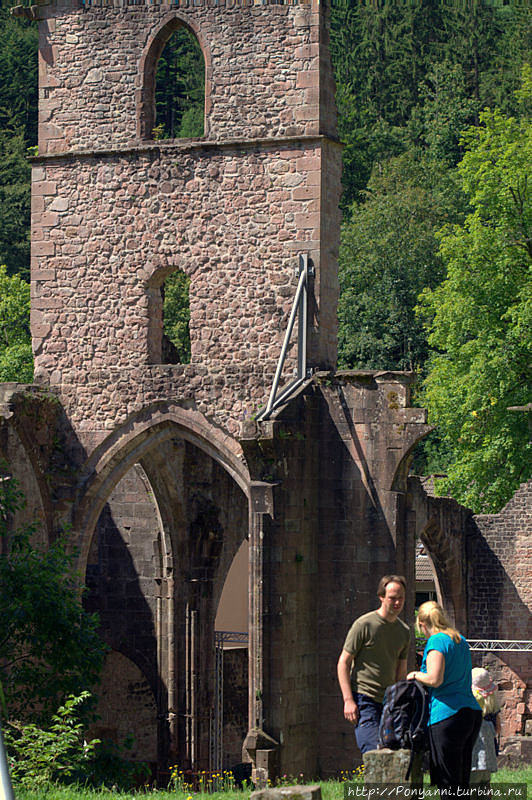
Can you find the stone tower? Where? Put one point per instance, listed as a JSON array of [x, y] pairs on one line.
[[161, 470]]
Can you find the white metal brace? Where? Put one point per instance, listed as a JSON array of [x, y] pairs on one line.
[[299, 310]]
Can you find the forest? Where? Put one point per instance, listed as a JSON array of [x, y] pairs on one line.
[[434, 103]]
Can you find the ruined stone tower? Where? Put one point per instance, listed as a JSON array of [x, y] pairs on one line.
[[114, 213], [161, 470]]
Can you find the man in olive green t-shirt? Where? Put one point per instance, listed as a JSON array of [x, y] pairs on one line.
[[373, 657]]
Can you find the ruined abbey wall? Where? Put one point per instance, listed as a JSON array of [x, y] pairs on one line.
[[161, 470], [500, 597], [113, 227], [114, 212], [483, 577]]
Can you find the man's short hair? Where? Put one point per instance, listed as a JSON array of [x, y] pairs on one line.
[[386, 579]]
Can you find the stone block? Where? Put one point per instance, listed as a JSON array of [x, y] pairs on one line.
[[310, 792], [390, 767]]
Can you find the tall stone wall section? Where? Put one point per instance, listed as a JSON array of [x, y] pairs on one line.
[[231, 220], [114, 212], [337, 456], [263, 69], [500, 599]]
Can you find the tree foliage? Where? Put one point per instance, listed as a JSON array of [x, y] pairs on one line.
[[388, 255], [480, 318], [18, 67], [50, 646], [382, 54], [176, 313], [58, 754], [16, 359], [18, 131], [180, 88]]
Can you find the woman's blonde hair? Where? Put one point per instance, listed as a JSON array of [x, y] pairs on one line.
[[433, 616], [489, 704], [485, 690]]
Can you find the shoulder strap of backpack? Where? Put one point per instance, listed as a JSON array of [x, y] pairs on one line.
[[424, 695]]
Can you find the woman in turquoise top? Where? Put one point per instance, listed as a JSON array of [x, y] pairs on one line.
[[455, 716]]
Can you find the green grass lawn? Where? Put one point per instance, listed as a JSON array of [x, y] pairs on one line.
[[330, 790]]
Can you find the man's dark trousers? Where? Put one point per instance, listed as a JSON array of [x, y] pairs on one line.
[[367, 730]]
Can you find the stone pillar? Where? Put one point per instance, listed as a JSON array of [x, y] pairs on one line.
[[258, 747]]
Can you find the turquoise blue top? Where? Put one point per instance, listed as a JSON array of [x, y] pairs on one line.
[[455, 691]]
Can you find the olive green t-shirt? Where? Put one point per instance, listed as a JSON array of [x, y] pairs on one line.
[[376, 646]]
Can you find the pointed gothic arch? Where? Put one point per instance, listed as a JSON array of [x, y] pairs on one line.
[[146, 80]]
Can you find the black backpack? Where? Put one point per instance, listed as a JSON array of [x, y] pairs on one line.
[[405, 714]]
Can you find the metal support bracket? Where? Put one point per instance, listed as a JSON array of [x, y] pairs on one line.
[[299, 311]]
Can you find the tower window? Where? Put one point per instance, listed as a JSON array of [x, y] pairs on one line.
[[180, 88], [176, 319]]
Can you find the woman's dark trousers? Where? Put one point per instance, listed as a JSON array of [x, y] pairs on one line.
[[451, 750]]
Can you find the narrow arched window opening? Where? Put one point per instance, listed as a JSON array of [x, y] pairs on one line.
[[169, 319], [176, 319], [180, 88]]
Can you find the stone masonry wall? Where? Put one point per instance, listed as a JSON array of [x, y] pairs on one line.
[[261, 61], [367, 431], [126, 709], [235, 705], [500, 599], [109, 231], [507, 535], [113, 213], [336, 456], [124, 571]]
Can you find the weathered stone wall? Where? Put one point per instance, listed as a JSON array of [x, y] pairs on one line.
[[262, 70], [338, 454], [504, 614], [113, 227], [125, 570], [367, 431], [232, 211], [235, 708], [443, 526], [500, 600], [127, 711]]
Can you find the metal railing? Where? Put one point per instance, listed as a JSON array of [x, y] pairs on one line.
[[501, 645]]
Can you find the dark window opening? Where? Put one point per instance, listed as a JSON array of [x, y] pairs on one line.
[[180, 88]]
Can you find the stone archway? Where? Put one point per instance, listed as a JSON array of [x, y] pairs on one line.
[[441, 524], [161, 606]]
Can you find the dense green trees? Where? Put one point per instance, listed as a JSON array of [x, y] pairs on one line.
[[176, 316], [383, 53], [180, 88], [388, 255], [16, 360], [18, 131], [480, 317], [410, 80]]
